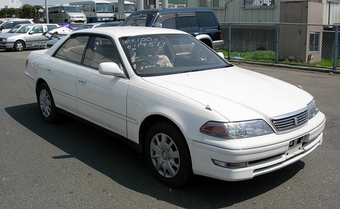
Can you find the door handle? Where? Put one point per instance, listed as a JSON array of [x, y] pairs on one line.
[[82, 81]]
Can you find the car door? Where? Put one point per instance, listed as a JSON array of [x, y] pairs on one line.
[[63, 67], [34, 37], [101, 99]]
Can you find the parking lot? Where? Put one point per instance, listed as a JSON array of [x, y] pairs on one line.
[[72, 165]]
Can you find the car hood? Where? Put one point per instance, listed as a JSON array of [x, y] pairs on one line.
[[235, 93], [8, 35]]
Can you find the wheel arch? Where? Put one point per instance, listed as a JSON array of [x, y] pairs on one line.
[[23, 41], [205, 39], [147, 123], [37, 84]]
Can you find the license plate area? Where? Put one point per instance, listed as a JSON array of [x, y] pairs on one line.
[[295, 147]]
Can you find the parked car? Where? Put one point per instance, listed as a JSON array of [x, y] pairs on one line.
[[200, 22], [25, 36], [98, 24], [72, 13], [7, 24], [177, 101], [51, 42]]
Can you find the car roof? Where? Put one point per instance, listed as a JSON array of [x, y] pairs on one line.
[[122, 31]]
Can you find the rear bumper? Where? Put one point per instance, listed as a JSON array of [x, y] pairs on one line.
[[218, 44]]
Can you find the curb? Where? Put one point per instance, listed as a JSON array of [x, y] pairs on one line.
[[307, 68]]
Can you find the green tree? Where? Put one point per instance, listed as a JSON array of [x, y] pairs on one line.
[[27, 11], [10, 12], [3, 12], [37, 14]]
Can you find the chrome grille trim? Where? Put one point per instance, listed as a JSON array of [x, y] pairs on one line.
[[291, 120]]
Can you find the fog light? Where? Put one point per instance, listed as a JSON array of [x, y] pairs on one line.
[[230, 165]]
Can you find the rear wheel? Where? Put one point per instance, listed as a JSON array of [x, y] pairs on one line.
[[46, 104], [19, 45], [168, 155]]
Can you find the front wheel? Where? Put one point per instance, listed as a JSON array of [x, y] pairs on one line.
[[19, 45], [46, 104], [168, 155]]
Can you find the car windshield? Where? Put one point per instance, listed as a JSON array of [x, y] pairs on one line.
[[73, 9], [104, 8], [153, 55], [14, 29], [21, 29]]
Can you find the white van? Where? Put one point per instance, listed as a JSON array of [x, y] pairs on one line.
[[73, 14], [128, 8]]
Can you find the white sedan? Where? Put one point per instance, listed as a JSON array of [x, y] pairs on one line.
[[183, 106]]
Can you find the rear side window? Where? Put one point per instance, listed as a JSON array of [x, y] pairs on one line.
[[167, 20], [51, 27], [7, 25], [139, 19], [187, 22], [206, 19], [21, 22], [73, 49]]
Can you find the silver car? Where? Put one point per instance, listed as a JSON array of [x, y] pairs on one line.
[[25, 36]]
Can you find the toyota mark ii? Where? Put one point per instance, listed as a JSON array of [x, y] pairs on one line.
[[179, 103]]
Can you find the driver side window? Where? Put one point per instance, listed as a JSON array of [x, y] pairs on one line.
[[100, 49]]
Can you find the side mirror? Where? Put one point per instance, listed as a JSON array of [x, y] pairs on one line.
[[110, 68]]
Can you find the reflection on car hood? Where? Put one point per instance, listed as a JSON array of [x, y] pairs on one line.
[[236, 93], [8, 35]]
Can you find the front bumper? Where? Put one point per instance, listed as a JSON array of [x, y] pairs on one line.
[[6, 45], [262, 159]]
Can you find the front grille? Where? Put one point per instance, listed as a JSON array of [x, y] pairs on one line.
[[290, 121]]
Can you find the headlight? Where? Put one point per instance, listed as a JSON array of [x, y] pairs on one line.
[[4, 39], [236, 130], [312, 109]]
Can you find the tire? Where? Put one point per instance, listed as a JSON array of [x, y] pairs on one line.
[[19, 45], [46, 104], [168, 155]]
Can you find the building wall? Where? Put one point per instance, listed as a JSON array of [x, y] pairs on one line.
[[301, 12], [331, 12], [10, 4], [250, 11], [238, 11]]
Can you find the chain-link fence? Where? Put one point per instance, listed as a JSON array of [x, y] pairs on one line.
[[300, 44]]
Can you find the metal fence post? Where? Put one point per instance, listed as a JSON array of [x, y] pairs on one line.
[[229, 40], [277, 44], [336, 45]]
